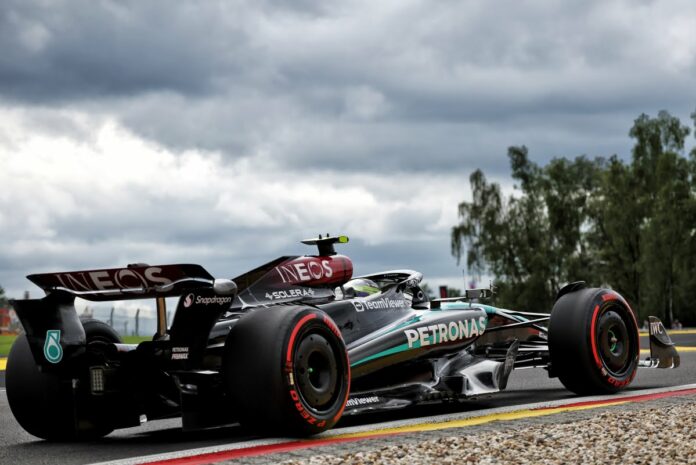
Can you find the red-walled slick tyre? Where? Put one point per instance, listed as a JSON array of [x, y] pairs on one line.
[[593, 341], [287, 371]]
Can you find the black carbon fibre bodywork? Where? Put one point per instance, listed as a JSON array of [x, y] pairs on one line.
[[402, 349], [401, 355]]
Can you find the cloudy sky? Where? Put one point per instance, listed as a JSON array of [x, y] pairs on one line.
[[221, 133]]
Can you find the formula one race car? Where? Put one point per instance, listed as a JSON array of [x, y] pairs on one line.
[[295, 344]]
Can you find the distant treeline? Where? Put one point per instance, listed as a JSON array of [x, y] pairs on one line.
[[3, 299], [627, 225]]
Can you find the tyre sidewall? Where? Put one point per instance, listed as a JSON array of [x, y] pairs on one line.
[[260, 379], [603, 301], [574, 346], [96, 330], [304, 323]]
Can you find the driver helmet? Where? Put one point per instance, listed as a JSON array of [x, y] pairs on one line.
[[362, 287]]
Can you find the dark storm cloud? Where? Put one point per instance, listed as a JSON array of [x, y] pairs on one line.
[[410, 87], [55, 52], [358, 117]]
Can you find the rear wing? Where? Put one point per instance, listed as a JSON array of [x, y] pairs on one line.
[[133, 282], [54, 320]]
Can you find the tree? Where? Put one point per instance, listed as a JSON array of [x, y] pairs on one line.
[[568, 187], [664, 199], [454, 292], [532, 241], [3, 299], [686, 259], [615, 219], [626, 225]]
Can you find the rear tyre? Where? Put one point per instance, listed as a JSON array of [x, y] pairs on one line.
[[593, 341], [45, 404], [287, 371], [98, 331]]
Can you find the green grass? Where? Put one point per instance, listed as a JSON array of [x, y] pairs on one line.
[[135, 339], [5, 344], [7, 340]]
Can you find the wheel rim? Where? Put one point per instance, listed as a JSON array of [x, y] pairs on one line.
[[614, 341], [614, 345], [316, 372]]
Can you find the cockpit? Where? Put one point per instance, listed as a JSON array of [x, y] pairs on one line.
[[404, 284], [360, 287]]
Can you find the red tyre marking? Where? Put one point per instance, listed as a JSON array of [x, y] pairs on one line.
[[619, 384], [332, 326], [293, 394], [293, 335], [308, 417], [605, 298], [593, 340], [614, 296]]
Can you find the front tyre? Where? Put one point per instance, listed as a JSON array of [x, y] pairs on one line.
[[287, 371], [593, 341]]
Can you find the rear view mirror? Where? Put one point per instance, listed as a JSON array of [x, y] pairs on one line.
[[224, 287]]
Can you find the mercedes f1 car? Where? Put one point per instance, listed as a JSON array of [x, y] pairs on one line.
[[292, 346]]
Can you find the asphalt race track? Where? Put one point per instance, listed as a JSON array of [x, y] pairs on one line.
[[526, 386]]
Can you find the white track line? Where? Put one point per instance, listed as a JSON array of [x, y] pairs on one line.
[[390, 424]]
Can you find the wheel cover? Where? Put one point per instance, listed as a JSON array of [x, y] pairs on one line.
[[614, 341], [316, 372]]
